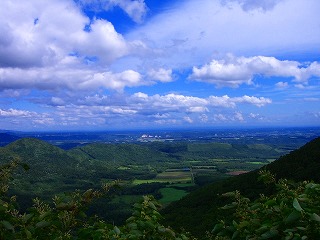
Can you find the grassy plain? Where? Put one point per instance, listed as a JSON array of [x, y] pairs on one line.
[[170, 194]]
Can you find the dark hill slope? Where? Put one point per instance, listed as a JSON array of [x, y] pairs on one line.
[[301, 164], [198, 211]]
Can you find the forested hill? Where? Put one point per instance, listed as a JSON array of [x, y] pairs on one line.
[[197, 211], [49, 169], [301, 164]]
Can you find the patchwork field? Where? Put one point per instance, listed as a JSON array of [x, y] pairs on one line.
[[168, 176], [175, 176]]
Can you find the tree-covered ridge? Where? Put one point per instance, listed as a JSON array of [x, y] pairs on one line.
[[45, 158], [120, 152]]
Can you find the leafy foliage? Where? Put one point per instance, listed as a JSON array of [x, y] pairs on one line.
[[291, 213]]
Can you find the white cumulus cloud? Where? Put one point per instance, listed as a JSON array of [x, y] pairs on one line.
[[187, 119], [259, 102], [189, 33], [238, 116], [282, 85], [161, 74], [235, 71], [15, 113], [48, 48]]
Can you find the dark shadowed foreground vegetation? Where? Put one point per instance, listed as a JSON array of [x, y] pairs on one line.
[[281, 210]]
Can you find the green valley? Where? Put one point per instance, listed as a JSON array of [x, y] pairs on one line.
[[184, 177], [154, 166]]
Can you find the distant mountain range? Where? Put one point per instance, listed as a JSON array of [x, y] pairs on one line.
[[197, 211], [293, 137]]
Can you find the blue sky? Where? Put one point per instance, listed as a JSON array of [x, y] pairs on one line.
[[138, 64]]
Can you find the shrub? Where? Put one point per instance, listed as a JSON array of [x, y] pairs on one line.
[[291, 213]]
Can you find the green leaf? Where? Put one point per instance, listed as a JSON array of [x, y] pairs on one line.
[[28, 233], [132, 225], [137, 205], [234, 223], [271, 202], [170, 232], [116, 230], [228, 194], [295, 215], [255, 206], [217, 227], [235, 235], [65, 206], [161, 229], [301, 228], [43, 215], [42, 224], [2, 208], [315, 217], [270, 234], [229, 206], [135, 234], [296, 205], [7, 225], [151, 204], [262, 229], [27, 217], [149, 225], [243, 224], [82, 214], [231, 228], [131, 219]]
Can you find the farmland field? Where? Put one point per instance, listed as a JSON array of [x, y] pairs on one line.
[[167, 177], [175, 176]]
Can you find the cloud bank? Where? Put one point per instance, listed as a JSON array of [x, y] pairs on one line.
[[234, 71], [64, 63]]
